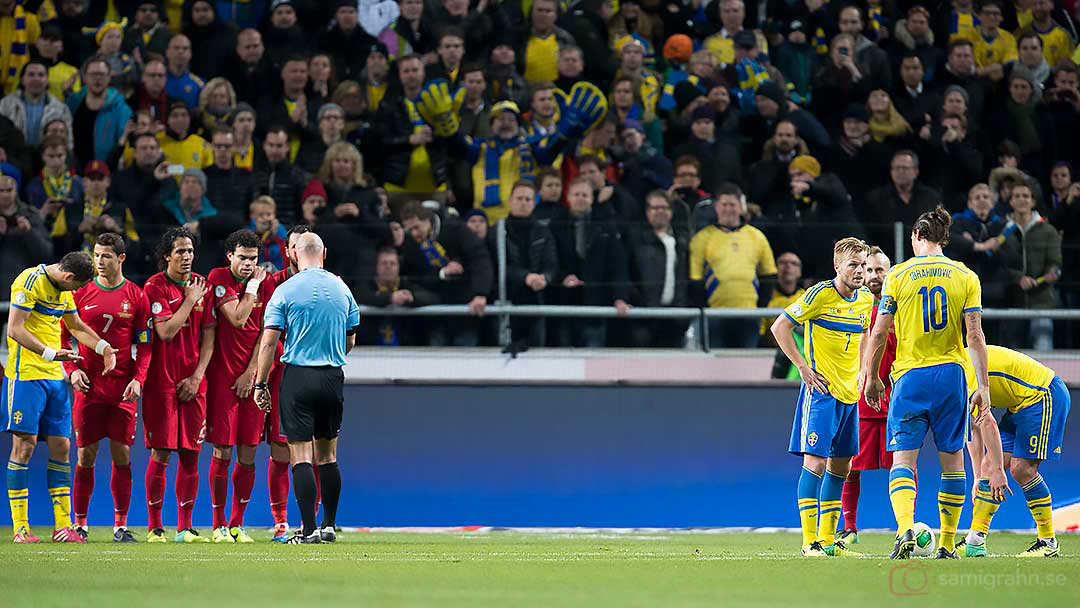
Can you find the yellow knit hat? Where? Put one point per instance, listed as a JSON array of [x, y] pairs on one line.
[[105, 27], [806, 164]]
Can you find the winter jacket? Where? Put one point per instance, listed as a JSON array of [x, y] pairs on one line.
[[21, 250], [284, 183], [988, 265], [648, 267], [13, 107], [604, 268], [1031, 250], [530, 249], [460, 245], [231, 190], [111, 120], [393, 128]]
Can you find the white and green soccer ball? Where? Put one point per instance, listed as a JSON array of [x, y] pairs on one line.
[[924, 540]]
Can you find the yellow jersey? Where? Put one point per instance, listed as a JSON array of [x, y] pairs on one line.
[[1057, 44], [988, 51], [1016, 380], [541, 59], [833, 329], [779, 300], [34, 292], [193, 152], [729, 262], [929, 295]]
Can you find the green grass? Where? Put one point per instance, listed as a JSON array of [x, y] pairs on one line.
[[516, 569]]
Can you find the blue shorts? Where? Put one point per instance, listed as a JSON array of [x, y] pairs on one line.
[[929, 398], [824, 426], [37, 407], [1036, 431]]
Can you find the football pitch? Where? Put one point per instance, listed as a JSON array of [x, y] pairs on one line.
[[515, 568]]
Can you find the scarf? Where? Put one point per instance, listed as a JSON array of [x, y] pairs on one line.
[[491, 154], [388, 334], [57, 187], [434, 253], [19, 51], [94, 210], [893, 126], [1023, 117]]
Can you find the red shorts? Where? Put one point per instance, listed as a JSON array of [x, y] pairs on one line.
[[171, 424], [272, 430], [101, 414], [229, 419], [873, 453]]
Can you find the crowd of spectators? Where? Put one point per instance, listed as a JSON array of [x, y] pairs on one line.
[[740, 141]]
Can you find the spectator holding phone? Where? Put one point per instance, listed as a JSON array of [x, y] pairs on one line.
[[57, 186]]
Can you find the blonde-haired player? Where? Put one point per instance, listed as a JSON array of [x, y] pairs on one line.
[[932, 299], [1030, 432], [836, 314]]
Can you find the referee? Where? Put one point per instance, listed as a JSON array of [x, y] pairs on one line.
[[319, 316]]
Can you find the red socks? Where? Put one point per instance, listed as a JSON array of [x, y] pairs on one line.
[[243, 483], [121, 492], [187, 487], [219, 489], [84, 487], [155, 493], [278, 481], [849, 500]]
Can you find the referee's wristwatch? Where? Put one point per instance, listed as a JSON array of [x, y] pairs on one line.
[[260, 386]]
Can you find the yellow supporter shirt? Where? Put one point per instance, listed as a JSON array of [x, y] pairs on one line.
[[833, 328], [421, 176], [193, 152], [964, 26], [779, 300], [1056, 44], [988, 51], [244, 159], [58, 75], [1016, 380], [541, 59], [723, 47], [928, 296], [729, 262], [34, 291], [294, 141], [375, 94]]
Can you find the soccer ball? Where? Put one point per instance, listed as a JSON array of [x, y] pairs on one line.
[[924, 541]]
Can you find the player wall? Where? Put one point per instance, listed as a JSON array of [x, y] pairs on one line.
[[566, 456]]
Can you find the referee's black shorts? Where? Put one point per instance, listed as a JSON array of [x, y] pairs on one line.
[[311, 401]]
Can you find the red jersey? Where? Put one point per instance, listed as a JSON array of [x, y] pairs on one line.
[[865, 411], [233, 346], [121, 316], [176, 359]]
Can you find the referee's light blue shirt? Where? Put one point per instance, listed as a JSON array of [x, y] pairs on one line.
[[316, 311]]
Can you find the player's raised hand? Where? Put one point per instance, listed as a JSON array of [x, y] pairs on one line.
[[814, 380], [80, 381], [195, 289], [132, 391], [259, 274], [244, 384], [110, 359]]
